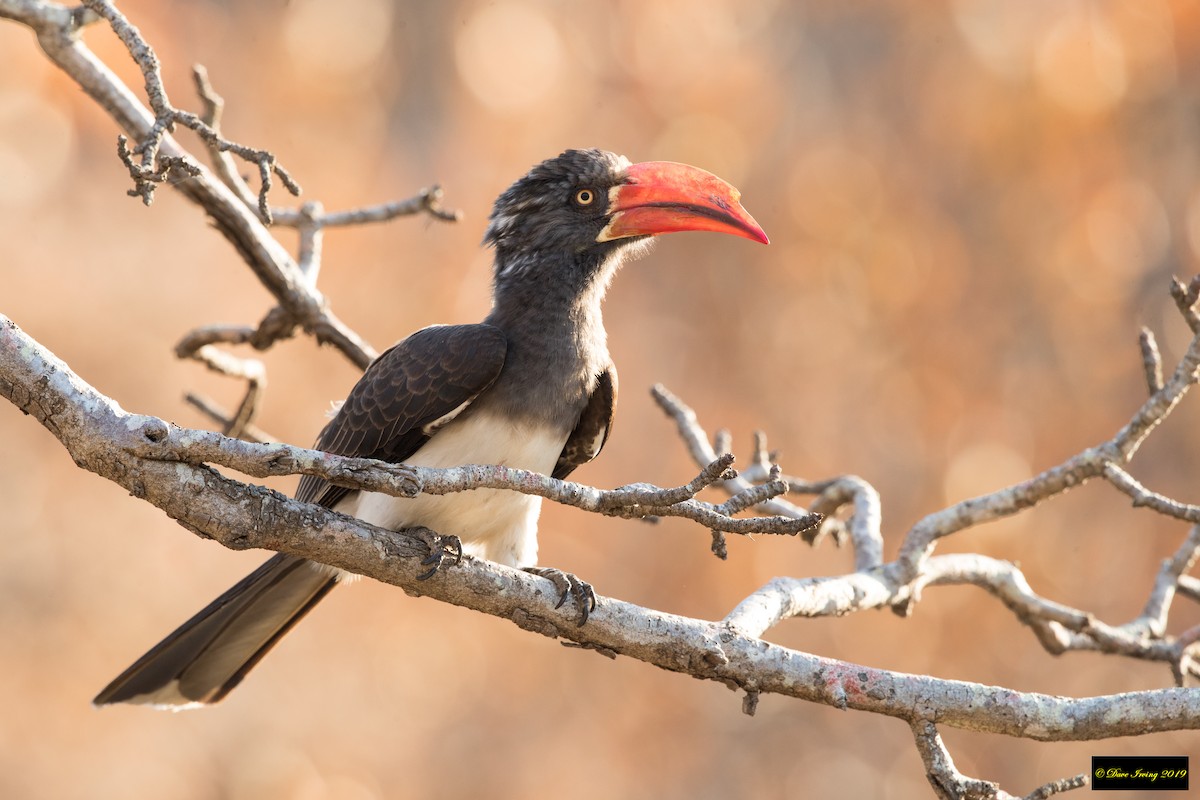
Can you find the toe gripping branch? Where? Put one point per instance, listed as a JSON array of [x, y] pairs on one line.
[[449, 548], [569, 585], [440, 547]]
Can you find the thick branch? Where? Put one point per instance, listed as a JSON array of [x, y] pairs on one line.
[[241, 516], [165, 465]]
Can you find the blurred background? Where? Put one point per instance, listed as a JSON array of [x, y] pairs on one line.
[[973, 204]]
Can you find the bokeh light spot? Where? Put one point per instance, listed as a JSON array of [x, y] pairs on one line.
[[834, 191], [983, 467], [1127, 228], [1193, 223], [1001, 34], [337, 39], [509, 56], [35, 147], [676, 45], [713, 141], [1081, 64]]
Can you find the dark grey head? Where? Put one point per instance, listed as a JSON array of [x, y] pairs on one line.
[[570, 220], [558, 209]]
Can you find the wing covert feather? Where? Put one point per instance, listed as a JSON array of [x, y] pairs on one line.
[[434, 372], [593, 428]]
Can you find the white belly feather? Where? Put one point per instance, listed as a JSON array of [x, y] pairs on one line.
[[494, 524]]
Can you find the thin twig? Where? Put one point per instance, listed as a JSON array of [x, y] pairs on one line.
[[1151, 360], [1144, 498], [1189, 587], [947, 782], [206, 406], [704, 453], [1079, 469], [427, 201], [1185, 299], [200, 346], [1058, 787], [864, 528], [153, 438], [1158, 605], [155, 169], [214, 107]]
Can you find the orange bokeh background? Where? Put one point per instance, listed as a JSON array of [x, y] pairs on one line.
[[973, 206]]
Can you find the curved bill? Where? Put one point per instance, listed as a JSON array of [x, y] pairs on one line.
[[667, 197]]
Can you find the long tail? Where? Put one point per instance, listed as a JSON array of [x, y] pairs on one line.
[[203, 659]]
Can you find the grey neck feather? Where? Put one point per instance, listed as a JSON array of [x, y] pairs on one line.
[[557, 345]]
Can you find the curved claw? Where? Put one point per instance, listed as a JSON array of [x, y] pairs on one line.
[[440, 548], [569, 585]]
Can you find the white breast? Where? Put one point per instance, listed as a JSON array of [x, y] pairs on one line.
[[493, 524]]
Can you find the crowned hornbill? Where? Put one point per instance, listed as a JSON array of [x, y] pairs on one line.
[[531, 387]]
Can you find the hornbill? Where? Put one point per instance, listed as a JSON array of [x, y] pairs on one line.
[[532, 387]]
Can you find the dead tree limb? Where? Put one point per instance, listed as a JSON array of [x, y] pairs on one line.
[[96, 431], [172, 468]]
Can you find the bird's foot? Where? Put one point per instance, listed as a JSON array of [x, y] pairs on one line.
[[569, 585], [440, 548]]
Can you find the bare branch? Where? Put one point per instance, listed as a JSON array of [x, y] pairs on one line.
[[199, 345], [1058, 787], [786, 597], [1144, 498], [864, 520], [1185, 298], [311, 220], [703, 452], [428, 201], [166, 466], [644, 494], [1151, 360], [783, 598], [241, 516], [214, 107], [1007, 583], [154, 169], [1189, 587], [205, 405], [57, 32], [1154, 615], [162, 160], [947, 782], [1091, 463], [146, 175], [312, 240]]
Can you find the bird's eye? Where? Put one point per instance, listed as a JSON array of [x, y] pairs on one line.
[[585, 197]]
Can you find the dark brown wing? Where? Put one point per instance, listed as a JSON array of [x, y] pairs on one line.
[[405, 394], [400, 400], [595, 423]]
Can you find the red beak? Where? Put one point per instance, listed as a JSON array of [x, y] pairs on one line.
[[665, 197]]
